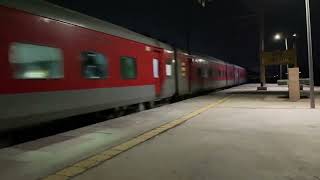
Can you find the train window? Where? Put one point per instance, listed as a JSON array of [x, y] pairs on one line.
[[36, 62], [94, 65], [169, 70], [210, 73], [128, 67], [155, 68]]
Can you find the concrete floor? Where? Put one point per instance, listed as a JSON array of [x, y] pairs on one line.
[[253, 135], [247, 145], [257, 136]]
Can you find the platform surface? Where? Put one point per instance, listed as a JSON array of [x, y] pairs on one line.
[[249, 135]]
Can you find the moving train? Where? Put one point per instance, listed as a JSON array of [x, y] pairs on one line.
[[56, 63]]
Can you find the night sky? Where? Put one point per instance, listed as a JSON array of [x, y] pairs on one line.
[[225, 29]]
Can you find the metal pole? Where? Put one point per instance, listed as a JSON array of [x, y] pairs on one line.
[[280, 71], [287, 48], [286, 42], [262, 47], [310, 55]]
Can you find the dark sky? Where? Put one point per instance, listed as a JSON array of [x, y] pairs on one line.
[[222, 29]]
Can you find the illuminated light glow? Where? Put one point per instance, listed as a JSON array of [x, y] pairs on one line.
[[35, 74], [71, 23], [201, 60], [168, 51], [294, 35], [173, 61], [148, 48], [47, 20], [68, 23], [77, 24], [277, 37]]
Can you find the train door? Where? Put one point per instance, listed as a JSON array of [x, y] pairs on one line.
[[201, 79], [157, 72], [237, 76], [226, 74], [183, 73]]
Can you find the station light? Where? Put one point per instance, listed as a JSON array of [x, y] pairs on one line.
[[277, 37], [203, 3]]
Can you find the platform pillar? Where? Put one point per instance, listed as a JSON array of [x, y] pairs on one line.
[[294, 84]]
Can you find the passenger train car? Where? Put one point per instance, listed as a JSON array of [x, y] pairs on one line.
[[56, 63]]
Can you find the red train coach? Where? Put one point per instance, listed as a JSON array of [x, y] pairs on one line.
[[61, 63], [57, 63]]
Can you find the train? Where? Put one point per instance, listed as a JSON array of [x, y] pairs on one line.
[[57, 63]]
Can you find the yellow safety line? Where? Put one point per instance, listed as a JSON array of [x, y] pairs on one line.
[[86, 164]]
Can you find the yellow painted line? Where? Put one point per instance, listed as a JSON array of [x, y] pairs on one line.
[[56, 177], [71, 171], [86, 164]]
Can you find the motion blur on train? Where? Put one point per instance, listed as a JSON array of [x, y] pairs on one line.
[[56, 63]]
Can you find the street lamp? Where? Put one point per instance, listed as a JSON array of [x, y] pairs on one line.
[[203, 3], [278, 37]]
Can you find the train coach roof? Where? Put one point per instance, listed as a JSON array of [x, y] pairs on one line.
[[239, 67], [217, 60], [211, 59], [48, 10]]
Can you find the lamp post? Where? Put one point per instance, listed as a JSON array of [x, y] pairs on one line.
[[310, 55], [278, 37], [261, 49]]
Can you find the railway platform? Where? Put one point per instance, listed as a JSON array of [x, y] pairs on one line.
[[238, 133]]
